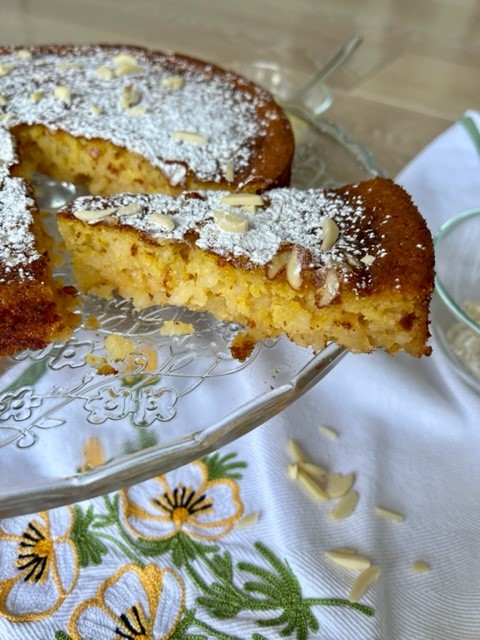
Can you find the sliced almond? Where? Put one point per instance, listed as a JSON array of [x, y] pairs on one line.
[[130, 97], [63, 94], [248, 521], [349, 560], [389, 514], [345, 506], [294, 269], [131, 209], [338, 485], [328, 292], [124, 58], [3, 101], [90, 216], [230, 222], [190, 136], [420, 566], [5, 116], [312, 486], [36, 96], [95, 110], [316, 471], [363, 582], [162, 220], [173, 82], [128, 70], [296, 451], [292, 470], [277, 264], [137, 111], [24, 54], [5, 69], [63, 66], [104, 72], [229, 172], [352, 260], [368, 260], [242, 199], [329, 432], [330, 233]]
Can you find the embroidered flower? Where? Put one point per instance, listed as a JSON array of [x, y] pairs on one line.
[[182, 500], [135, 604], [39, 564]]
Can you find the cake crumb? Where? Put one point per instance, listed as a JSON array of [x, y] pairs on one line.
[[176, 328], [118, 347]]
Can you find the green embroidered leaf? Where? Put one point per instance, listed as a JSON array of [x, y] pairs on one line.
[[90, 549], [61, 635], [222, 566], [224, 466]]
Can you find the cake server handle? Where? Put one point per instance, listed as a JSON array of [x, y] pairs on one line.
[[350, 46]]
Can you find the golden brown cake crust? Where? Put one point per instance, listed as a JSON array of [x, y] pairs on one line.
[[198, 124]]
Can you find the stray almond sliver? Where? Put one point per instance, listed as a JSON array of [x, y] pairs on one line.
[[329, 432], [315, 470], [312, 486], [349, 560], [247, 521], [338, 485], [345, 506], [389, 514], [296, 451], [420, 566], [364, 580]]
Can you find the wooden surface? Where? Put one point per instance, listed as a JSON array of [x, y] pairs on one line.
[[417, 70]]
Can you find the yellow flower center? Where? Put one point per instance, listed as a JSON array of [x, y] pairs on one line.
[[180, 515], [43, 548]]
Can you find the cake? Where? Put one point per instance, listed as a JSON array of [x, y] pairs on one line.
[[352, 265], [117, 118]]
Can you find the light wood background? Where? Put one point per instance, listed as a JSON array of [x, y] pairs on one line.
[[417, 70]]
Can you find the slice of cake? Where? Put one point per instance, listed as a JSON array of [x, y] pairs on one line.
[[353, 265]]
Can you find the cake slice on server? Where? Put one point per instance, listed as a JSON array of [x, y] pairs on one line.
[[352, 265]]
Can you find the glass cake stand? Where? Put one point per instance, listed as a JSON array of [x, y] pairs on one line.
[[68, 433]]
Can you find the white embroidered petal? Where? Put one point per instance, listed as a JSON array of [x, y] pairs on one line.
[[126, 592], [94, 622], [170, 604], [66, 559], [30, 597], [60, 522]]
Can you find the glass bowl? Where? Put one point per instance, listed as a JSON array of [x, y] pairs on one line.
[[456, 305]]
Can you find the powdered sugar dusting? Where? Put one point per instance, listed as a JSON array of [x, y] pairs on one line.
[[17, 243], [94, 92], [290, 217]]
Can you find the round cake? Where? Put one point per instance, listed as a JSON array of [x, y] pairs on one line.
[[114, 119]]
